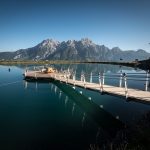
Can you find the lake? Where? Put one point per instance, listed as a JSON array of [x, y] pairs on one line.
[[44, 115]]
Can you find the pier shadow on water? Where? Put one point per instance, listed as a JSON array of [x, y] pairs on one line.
[[99, 115]]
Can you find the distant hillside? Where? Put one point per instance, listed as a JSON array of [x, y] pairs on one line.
[[144, 64], [84, 49]]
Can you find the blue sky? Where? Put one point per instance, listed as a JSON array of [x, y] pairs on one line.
[[122, 23]]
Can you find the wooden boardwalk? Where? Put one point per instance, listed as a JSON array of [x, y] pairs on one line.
[[114, 90]]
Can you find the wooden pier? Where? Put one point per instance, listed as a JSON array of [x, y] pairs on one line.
[[120, 90]]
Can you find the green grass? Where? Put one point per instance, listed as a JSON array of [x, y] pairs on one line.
[[30, 62]]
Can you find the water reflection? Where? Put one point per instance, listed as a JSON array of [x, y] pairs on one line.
[[52, 86], [83, 119], [73, 108], [60, 94], [90, 98], [95, 68], [66, 100], [55, 89], [101, 106], [99, 115], [25, 84], [36, 86]]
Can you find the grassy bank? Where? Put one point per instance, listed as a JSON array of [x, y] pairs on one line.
[[30, 62], [42, 62]]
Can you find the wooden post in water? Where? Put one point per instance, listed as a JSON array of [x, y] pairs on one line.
[[147, 80], [120, 82], [91, 78], [73, 108], [126, 86]]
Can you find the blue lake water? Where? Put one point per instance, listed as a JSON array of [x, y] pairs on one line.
[[36, 115]]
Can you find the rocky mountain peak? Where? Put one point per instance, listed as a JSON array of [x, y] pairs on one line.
[[71, 43], [86, 41], [116, 49], [141, 51], [49, 43]]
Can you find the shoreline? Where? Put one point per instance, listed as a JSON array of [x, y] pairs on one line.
[[132, 64]]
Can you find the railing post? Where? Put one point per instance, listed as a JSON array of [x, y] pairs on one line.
[[100, 83], [84, 80], [103, 78], [66, 78], [74, 78], [81, 76], [147, 80], [25, 69], [25, 74], [126, 86], [60, 78], [91, 78], [120, 82]]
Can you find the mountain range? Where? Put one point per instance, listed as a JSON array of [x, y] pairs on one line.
[[83, 49]]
